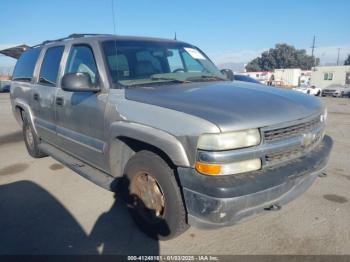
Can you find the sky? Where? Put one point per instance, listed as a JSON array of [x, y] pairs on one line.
[[228, 31]]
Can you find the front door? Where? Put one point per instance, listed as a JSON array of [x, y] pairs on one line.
[[80, 115], [44, 93]]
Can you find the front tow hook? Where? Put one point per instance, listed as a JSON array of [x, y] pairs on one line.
[[273, 207]]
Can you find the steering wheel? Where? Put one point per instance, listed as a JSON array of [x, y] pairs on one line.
[[178, 70]]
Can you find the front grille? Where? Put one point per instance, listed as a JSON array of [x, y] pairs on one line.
[[290, 154], [328, 91], [291, 131]]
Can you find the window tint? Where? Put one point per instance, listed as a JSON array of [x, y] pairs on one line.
[[132, 63], [81, 60], [51, 65], [25, 65]]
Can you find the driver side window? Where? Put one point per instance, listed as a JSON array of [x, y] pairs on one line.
[[81, 60]]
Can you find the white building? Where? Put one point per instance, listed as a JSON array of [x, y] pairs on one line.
[[287, 77], [324, 76], [290, 77]]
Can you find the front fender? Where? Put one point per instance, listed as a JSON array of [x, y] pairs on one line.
[[149, 135], [158, 138]]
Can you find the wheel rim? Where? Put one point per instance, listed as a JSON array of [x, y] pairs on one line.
[[148, 197], [29, 137]]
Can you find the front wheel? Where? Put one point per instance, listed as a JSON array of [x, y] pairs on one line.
[[153, 196]]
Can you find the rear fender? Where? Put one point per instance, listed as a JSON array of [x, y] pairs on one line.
[[21, 104]]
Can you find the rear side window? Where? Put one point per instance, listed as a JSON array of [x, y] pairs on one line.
[[25, 65], [51, 65]]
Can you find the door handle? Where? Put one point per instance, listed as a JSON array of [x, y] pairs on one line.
[[59, 101], [36, 96]]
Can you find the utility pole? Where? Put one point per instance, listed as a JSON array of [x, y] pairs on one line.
[[338, 56], [312, 51]]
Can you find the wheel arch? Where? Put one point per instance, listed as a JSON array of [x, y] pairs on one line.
[[21, 107], [130, 138]]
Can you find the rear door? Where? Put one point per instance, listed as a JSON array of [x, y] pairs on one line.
[[44, 93], [80, 115]]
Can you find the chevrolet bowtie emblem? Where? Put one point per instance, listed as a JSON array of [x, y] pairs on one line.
[[308, 139]]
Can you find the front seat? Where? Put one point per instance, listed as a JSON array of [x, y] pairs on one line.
[[145, 69]]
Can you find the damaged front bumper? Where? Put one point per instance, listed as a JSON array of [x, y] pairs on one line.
[[221, 201]]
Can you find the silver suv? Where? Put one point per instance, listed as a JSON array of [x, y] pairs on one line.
[[337, 91], [155, 121]]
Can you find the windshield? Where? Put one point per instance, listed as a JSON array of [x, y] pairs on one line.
[[133, 63]]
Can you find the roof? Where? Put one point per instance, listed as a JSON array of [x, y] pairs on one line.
[[108, 37], [14, 52]]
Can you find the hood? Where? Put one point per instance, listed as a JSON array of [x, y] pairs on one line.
[[230, 105]]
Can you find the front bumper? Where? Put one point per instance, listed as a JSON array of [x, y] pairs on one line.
[[221, 201]]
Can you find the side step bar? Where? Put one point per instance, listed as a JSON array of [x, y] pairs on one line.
[[93, 174]]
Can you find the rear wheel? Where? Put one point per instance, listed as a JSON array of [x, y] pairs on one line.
[[153, 196], [31, 140]]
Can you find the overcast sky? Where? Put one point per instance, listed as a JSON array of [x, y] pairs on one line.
[[227, 30]]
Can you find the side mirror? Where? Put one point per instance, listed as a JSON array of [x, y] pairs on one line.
[[228, 73], [78, 82]]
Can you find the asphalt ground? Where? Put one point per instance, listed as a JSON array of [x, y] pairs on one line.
[[45, 208]]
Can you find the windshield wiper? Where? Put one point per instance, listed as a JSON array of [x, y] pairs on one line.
[[169, 79], [206, 78]]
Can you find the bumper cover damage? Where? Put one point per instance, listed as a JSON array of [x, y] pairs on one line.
[[222, 201]]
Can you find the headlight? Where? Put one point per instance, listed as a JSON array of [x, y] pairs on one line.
[[230, 140]]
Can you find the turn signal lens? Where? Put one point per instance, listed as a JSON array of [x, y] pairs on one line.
[[229, 169], [208, 169]]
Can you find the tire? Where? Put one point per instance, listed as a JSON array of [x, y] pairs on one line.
[[31, 140], [164, 216]]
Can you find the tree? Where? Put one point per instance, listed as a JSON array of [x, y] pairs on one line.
[[282, 56], [347, 61]]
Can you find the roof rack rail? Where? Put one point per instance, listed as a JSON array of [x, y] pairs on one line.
[[71, 36]]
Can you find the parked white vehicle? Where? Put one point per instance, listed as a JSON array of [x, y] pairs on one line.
[[311, 90], [301, 89]]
